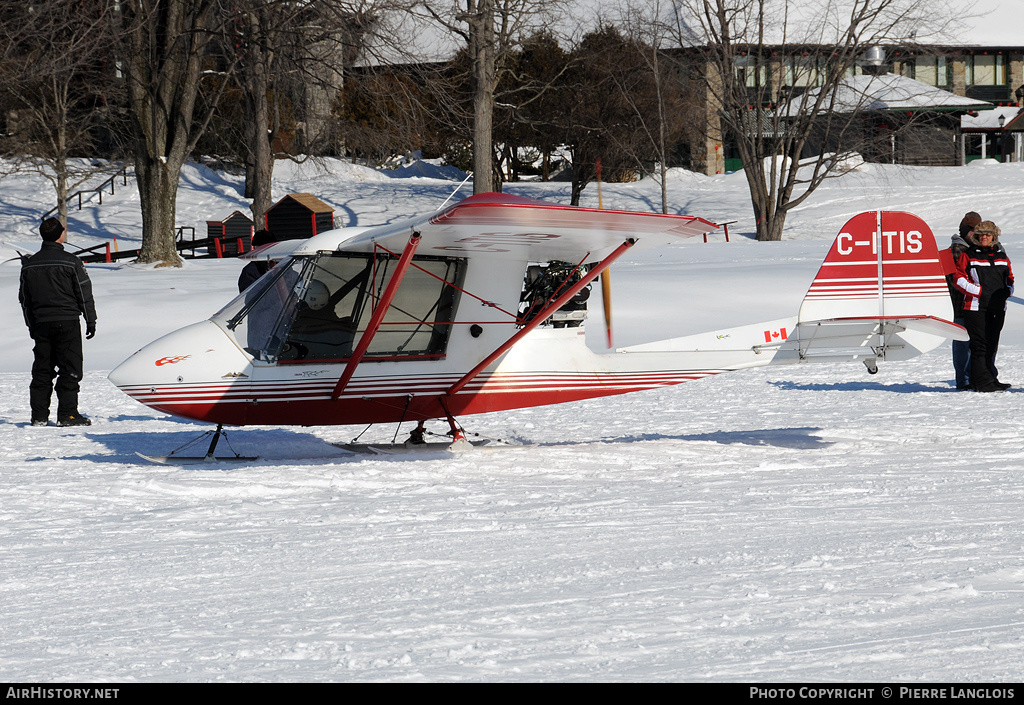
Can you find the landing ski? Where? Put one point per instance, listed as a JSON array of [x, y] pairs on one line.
[[182, 460], [414, 449]]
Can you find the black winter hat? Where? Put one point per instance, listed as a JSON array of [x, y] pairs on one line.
[[51, 229]]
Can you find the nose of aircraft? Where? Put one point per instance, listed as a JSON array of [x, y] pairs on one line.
[[197, 372]]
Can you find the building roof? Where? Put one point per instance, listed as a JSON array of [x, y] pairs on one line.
[[988, 121], [891, 92], [308, 200], [234, 214]]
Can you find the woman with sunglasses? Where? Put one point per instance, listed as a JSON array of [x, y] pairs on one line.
[[985, 277]]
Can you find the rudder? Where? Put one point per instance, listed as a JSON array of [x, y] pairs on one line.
[[882, 264]]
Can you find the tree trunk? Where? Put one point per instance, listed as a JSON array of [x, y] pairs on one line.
[[662, 148], [769, 229], [263, 176], [158, 196], [577, 191], [256, 76], [60, 157], [165, 46], [262, 156], [580, 179], [482, 50], [62, 195], [768, 219]]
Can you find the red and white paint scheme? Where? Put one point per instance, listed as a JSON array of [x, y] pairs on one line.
[[478, 308]]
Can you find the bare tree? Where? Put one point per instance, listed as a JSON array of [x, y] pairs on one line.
[[56, 79], [292, 61], [490, 30], [655, 86], [774, 75], [164, 59]]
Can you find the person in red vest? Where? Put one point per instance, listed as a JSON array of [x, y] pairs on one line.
[[984, 275], [961, 348]]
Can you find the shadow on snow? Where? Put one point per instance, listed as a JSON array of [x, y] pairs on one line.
[[776, 437], [282, 444], [899, 388]]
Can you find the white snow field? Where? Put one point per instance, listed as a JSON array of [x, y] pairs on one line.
[[788, 524]]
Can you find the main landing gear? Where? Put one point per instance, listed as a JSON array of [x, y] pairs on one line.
[[456, 440], [417, 439]]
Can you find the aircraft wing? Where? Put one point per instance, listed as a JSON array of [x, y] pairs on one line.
[[498, 225]]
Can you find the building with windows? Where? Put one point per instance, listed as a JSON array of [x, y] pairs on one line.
[[924, 126], [993, 134], [994, 74]]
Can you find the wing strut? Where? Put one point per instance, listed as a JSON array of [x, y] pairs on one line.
[[378, 315], [542, 316]]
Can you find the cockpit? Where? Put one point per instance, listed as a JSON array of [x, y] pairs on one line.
[[316, 308]]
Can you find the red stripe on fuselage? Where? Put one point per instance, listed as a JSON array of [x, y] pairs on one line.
[[388, 400]]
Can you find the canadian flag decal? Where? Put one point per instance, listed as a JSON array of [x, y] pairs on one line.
[[775, 336]]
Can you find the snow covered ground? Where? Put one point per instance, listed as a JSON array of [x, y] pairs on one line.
[[784, 524]]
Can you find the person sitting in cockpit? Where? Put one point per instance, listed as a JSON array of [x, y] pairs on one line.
[[317, 332]]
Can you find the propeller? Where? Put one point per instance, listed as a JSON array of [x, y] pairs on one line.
[[606, 275], [606, 297]]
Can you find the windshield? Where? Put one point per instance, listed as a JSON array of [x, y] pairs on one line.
[[259, 312], [317, 308]]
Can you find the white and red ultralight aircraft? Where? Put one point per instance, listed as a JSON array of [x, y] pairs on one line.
[[477, 308]]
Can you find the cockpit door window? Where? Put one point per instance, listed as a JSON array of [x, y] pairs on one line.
[[317, 308]]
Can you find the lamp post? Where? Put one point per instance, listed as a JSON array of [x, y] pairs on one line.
[[1002, 148]]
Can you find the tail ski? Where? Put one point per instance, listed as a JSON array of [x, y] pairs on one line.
[[880, 294]]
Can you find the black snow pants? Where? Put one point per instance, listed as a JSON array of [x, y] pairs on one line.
[[58, 354], [984, 328]]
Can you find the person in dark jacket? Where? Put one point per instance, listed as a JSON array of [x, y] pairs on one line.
[[961, 348], [255, 269], [985, 277], [55, 290]]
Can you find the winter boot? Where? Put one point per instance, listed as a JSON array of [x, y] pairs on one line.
[[75, 419]]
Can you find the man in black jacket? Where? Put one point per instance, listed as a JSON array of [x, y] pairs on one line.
[[55, 291], [255, 269]]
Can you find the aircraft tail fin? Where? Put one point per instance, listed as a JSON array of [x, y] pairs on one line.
[[880, 294], [882, 263]]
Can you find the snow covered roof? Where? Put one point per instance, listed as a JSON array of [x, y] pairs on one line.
[[893, 92], [989, 120]]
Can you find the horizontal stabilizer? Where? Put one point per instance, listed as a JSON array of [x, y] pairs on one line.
[[863, 338]]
